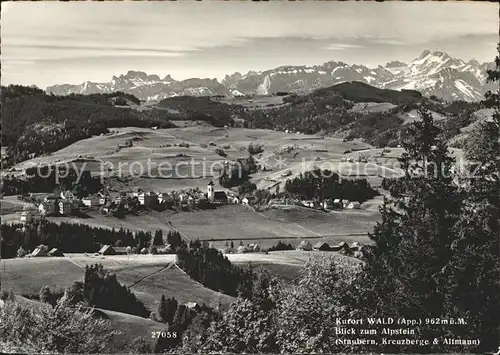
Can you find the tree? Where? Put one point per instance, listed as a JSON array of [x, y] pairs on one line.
[[244, 328], [161, 312], [74, 293], [470, 280], [412, 242], [158, 238], [255, 148], [58, 329], [140, 346], [171, 309], [307, 312], [46, 295]]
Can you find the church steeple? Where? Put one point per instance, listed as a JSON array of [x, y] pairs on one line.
[[210, 191]]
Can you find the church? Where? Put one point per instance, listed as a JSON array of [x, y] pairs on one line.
[[217, 197]]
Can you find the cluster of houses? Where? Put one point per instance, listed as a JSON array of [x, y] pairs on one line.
[[67, 203], [113, 250], [190, 198], [43, 250], [335, 204], [249, 248], [355, 248]]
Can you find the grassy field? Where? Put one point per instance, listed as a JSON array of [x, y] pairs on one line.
[[332, 227], [238, 223], [29, 275], [187, 167], [130, 327], [173, 282]]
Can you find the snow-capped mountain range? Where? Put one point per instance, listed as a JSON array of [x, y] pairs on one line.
[[432, 73]]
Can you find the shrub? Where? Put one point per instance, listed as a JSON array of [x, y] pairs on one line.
[[255, 148], [221, 152], [58, 329]]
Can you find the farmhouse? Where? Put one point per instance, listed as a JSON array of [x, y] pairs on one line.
[[339, 247], [242, 249], [40, 250], [254, 247], [55, 252], [354, 205], [107, 250], [305, 245], [330, 205], [323, 246]]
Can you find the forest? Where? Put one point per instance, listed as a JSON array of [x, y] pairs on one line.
[[35, 123], [68, 237], [325, 184]]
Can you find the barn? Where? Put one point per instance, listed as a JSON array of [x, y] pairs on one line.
[[322, 246], [305, 245], [107, 250], [55, 252]]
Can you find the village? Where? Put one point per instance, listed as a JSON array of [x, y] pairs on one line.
[[67, 204]]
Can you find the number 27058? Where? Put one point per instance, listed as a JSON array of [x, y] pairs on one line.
[[168, 335]]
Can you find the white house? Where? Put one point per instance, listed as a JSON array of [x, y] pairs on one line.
[[47, 207], [305, 245], [90, 201], [345, 203], [244, 201], [26, 217], [354, 205], [328, 205]]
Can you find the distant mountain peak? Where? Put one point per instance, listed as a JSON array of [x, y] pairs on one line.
[[395, 64], [424, 54], [431, 73]]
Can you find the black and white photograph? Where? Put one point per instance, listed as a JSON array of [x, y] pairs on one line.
[[250, 177]]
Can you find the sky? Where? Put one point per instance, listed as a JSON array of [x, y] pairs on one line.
[[47, 43]]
